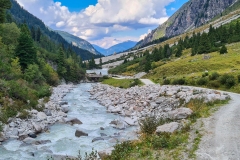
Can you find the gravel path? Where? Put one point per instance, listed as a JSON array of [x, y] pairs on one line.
[[221, 140], [147, 81]]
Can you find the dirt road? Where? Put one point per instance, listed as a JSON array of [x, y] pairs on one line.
[[221, 140]]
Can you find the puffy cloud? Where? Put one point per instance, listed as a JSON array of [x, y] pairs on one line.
[[144, 35], [100, 20]]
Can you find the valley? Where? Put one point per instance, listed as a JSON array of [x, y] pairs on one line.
[[167, 87]]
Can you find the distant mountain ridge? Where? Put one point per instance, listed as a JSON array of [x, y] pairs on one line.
[[191, 15], [116, 48], [20, 15], [76, 41]]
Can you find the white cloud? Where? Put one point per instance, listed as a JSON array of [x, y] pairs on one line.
[[100, 20], [144, 35]]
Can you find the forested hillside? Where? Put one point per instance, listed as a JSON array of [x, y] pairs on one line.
[[203, 59], [20, 16], [30, 62]]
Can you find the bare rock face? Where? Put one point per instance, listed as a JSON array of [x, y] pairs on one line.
[[191, 15], [168, 128]]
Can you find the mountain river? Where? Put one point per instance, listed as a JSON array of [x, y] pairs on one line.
[[62, 136]]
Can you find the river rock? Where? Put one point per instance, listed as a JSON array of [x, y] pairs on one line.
[[48, 112], [73, 121], [103, 134], [167, 128], [102, 154], [29, 140], [180, 113], [37, 127], [97, 139], [65, 108], [63, 103], [79, 133], [101, 128], [42, 142], [32, 135], [129, 121], [41, 116]]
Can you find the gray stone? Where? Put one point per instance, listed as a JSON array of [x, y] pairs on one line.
[[37, 127], [180, 113], [65, 109], [79, 133], [129, 121], [29, 140], [48, 113], [103, 134], [41, 116], [73, 121], [97, 139], [167, 128]]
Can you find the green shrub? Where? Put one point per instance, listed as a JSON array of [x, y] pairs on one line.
[[148, 125], [24, 115], [205, 74], [135, 83], [202, 81], [238, 77], [180, 81], [214, 84], [227, 80], [121, 151], [166, 82], [214, 76]]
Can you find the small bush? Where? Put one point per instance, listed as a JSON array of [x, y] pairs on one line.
[[180, 81], [166, 82], [214, 84], [238, 77], [149, 125], [227, 80], [121, 151], [205, 74], [214, 76], [202, 81], [24, 115], [135, 83]]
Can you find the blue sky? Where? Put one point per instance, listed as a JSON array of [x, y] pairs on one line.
[[103, 22]]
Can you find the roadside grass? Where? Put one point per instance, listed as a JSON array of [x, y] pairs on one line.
[[152, 146], [122, 83]]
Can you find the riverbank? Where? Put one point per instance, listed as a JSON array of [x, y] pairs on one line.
[[139, 102], [38, 121]]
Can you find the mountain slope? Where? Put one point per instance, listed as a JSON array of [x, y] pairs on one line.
[[116, 48], [191, 15], [78, 42], [20, 16]]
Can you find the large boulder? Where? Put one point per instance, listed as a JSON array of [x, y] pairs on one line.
[[180, 113], [37, 127], [79, 133], [41, 116], [167, 128]]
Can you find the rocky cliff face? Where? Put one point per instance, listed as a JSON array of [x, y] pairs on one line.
[[191, 15]]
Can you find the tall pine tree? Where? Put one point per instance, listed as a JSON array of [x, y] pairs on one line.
[[25, 50]]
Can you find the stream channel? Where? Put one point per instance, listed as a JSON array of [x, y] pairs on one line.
[[62, 136]]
